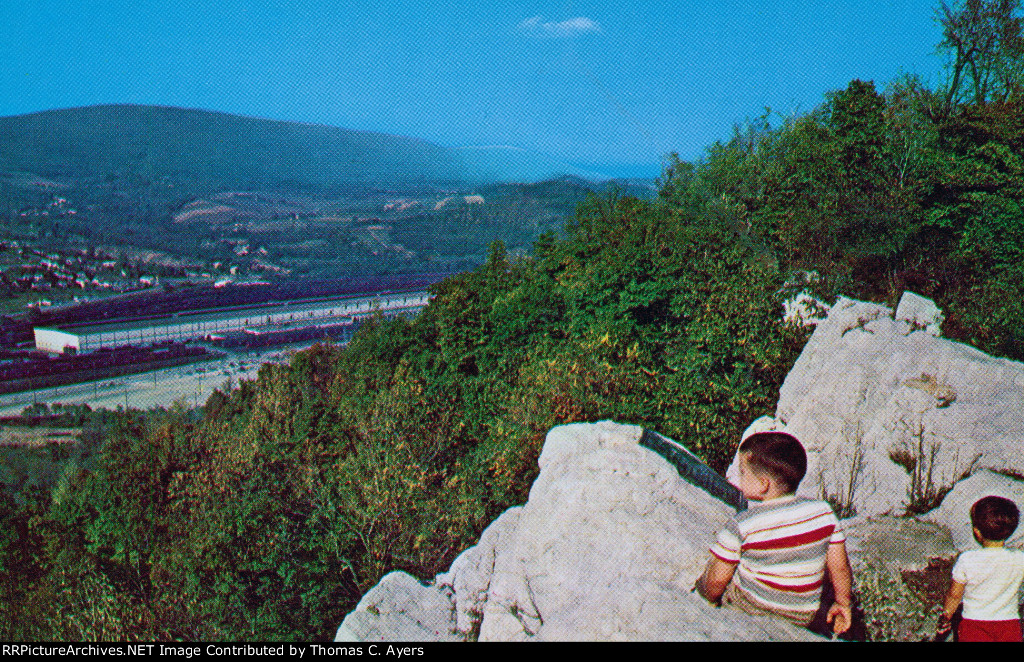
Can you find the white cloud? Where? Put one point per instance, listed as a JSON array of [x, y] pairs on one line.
[[536, 27]]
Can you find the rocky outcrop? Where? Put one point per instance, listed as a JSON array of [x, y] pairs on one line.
[[893, 415], [400, 608], [607, 547]]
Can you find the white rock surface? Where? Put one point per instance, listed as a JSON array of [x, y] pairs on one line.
[[400, 608], [469, 578], [920, 312], [606, 548], [869, 388]]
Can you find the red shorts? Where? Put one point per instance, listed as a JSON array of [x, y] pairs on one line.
[[989, 630]]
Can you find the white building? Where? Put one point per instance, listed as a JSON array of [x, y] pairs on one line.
[[204, 325]]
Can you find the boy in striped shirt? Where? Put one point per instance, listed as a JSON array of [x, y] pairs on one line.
[[772, 557]]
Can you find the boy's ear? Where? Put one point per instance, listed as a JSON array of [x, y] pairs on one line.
[[762, 481]]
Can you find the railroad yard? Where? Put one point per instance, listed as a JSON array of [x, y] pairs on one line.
[[191, 384], [130, 368]]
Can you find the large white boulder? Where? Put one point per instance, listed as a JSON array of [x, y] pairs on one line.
[[891, 415]]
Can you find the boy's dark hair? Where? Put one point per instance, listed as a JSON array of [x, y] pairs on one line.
[[995, 517], [779, 454]]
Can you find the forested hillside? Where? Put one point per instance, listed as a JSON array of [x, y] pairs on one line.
[[147, 144], [265, 514]]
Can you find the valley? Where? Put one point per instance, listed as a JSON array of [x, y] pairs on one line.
[[124, 212], [174, 192]]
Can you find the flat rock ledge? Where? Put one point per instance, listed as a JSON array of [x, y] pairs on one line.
[[607, 548]]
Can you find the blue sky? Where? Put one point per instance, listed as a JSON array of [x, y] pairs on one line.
[[614, 85]]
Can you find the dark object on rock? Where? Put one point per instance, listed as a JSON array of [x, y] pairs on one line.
[[693, 470]]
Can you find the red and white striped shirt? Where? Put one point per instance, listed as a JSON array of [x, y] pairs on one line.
[[780, 547]]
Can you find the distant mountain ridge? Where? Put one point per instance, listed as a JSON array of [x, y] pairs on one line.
[[233, 151]]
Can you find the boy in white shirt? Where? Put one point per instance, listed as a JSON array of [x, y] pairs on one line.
[[987, 580]]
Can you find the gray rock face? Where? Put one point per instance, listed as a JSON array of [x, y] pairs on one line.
[[922, 313], [400, 608], [607, 547], [470, 575], [892, 415], [895, 544]]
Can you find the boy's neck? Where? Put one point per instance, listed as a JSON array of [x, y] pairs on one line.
[[985, 542], [772, 496]]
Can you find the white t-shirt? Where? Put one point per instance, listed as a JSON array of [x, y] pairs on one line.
[[992, 577]]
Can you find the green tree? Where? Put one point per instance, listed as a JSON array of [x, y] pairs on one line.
[[985, 47]]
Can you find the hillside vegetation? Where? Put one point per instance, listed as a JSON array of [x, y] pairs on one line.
[[267, 513]]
